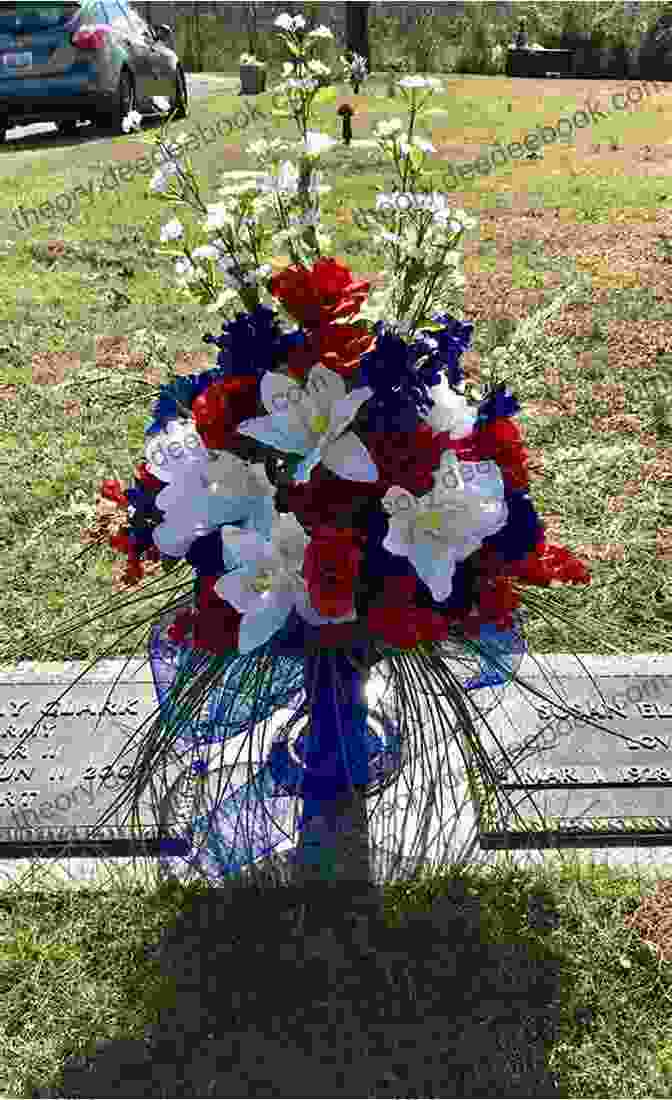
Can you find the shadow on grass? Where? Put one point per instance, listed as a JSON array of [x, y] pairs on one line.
[[354, 998]]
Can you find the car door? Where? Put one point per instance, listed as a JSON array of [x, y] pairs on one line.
[[137, 52], [162, 58]]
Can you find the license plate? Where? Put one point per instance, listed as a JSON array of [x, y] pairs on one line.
[[18, 60]]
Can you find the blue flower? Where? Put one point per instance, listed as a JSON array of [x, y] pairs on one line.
[[451, 341], [400, 390], [177, 397], [497, 403], [402, 375], [253, 344]]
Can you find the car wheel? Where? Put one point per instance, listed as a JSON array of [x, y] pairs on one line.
[[3, 133], [123, 105], [68, 127], [180, 100]]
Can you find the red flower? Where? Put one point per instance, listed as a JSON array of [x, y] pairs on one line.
[[547, 564], [222, 407], [147, 480], [330, 568], [500, 440], [400, 622], [407, 459], [214, 625], [316, 297], [326, 500], [111, 490], [338, 347]]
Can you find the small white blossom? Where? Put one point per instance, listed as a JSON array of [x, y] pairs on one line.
[[171, 231], [287, 22], [209, 251], [161, 102], [218, 217], [184, 269], [315, 144], [159, 180], [388, 129], [320, 32], [424, 145], [319, 68], [133, 121]]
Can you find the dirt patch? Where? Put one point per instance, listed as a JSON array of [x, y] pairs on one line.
[[52, 368]]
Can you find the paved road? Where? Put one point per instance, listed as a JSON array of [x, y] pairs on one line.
[[199, 84]]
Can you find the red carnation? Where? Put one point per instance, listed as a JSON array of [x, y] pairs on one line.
[[111, 490], [500, 440], [407, 459], [326, 500], [547, 563], [330, 568], [147, 480], [338, 347], [214, 624], [322, 294], [398, 620], [222, 407]]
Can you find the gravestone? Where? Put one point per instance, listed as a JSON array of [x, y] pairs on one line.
[[67, 750], [54, 787], [600, 778]]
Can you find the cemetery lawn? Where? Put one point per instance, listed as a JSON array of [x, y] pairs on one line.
[[76, 395], [76, 971]]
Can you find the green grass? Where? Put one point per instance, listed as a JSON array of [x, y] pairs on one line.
[[72, 966], [73, 969]]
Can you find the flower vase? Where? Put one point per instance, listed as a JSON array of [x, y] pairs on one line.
[[333, 850]]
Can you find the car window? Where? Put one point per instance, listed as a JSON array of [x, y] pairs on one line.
[[35, 16]]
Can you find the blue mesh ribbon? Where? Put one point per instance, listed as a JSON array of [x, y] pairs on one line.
[[340, 748]]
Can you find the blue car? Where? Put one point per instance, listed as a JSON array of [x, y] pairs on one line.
[[93, 61]]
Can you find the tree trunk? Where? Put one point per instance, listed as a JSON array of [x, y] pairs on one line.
[[357, 30]]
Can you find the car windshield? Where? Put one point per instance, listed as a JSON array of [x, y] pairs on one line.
[[34, 17]]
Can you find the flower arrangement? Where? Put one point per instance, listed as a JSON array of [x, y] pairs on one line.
[[328, 482]]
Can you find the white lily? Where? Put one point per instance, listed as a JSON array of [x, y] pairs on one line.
[[314, 422], [266, 580], [445, 527], [207, 493]]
